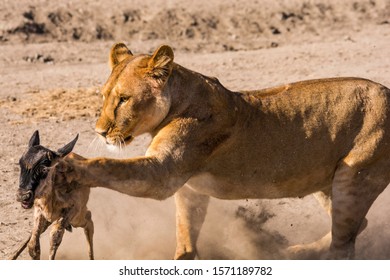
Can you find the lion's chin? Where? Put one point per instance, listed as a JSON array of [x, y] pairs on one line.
[[116, 144], [112, 148]]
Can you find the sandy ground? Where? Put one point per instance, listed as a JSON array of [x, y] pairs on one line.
[[53, 61]]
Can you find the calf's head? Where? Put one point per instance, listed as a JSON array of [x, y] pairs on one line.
[[35, 164]]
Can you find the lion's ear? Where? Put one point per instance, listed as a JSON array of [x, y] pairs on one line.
[[118, 53], [160, 65]]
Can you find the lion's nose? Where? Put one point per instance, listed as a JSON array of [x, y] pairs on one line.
[[101, 132], [104, 134]]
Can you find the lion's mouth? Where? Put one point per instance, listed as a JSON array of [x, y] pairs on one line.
[[26, 199], [119, 141], [128, 139]]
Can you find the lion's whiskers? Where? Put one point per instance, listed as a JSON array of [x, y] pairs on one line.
[[100, 146], [121, 144], [92, 146]]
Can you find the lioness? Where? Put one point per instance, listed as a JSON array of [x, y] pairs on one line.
[[328, 136]]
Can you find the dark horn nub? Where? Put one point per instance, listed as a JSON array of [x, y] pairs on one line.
[[34, 140], [68, 147]]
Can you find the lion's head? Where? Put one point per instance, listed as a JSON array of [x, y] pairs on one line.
[[135, 101]]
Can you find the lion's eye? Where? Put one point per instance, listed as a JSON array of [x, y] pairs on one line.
[[123, 99]]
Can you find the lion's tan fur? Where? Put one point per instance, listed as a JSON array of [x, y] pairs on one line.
[[329, 136]]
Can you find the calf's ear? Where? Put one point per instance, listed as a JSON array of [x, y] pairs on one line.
[[68, 147], [34, 140]]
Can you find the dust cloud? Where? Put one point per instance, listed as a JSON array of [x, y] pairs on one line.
[[134, 228]]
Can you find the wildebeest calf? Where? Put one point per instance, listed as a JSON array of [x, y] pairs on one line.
[[56, 201]]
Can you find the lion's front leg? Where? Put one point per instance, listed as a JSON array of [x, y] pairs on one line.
[[191, 209], [146, 177]]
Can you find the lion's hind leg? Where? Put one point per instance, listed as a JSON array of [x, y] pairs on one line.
[[318, 249], [353, 192]]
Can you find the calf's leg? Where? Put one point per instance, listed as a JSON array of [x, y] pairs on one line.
[[56, 235], [89, 230], [57, 232], [40, 225]]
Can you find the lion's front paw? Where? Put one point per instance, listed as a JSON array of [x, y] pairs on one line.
[[66, 172]]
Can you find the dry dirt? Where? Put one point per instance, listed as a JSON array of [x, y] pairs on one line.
[[53, 61]]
